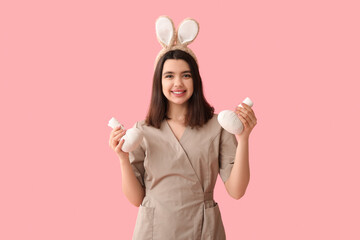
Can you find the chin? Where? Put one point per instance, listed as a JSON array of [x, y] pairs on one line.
[[177, 102]]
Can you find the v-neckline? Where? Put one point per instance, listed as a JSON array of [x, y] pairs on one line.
[[182, 135]]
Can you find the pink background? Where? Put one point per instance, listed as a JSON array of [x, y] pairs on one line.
[[67, 67]]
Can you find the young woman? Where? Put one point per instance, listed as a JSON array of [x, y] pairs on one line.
[[172, 174]]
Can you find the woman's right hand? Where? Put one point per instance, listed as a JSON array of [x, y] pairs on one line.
[[115, 135]]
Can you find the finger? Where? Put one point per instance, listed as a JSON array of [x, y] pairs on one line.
[[242, 104], [116, 128], [118, 137], [250, 115], [115, 131], [241, 108], [113, 143], [115, 138], [247, 107], [113, 134], [251, 120], [118, 134], [244, 113], [243, 120], [238, 108], [120, 131], [119, 146]]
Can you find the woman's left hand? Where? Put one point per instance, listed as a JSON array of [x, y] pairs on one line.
[[247, 117]]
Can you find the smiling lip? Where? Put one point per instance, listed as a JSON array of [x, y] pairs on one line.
[[179, 93]]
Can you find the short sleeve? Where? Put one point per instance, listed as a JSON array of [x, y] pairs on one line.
[[136, 158], [227, 152]]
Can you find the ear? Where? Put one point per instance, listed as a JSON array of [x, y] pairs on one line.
[[165, 31], [187, 31]]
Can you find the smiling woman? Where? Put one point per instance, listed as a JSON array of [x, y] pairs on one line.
[[183, 143], [172, 174]]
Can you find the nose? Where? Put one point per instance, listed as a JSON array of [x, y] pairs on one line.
[[178, 81]]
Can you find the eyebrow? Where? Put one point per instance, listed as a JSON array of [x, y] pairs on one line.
[[173, 72]]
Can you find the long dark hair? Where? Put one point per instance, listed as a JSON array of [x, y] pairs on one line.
[[199, 110]]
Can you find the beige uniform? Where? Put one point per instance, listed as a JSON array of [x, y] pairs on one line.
[[179, 179]]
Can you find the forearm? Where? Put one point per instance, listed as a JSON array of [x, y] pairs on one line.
[[240, 174], [131, 187]]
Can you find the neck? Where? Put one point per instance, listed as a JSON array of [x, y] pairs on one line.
[[177, 112]]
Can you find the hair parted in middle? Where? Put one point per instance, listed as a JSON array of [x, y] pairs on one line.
[[199, 110]]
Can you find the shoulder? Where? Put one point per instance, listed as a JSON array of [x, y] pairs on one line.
[[210, 129], [216, 129], [143, 126], [213, 123], [140, 124]]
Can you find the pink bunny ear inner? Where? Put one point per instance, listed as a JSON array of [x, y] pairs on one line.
[[165, 31], [187, 31]]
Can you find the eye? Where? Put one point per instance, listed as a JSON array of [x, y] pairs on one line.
[[168, 76], [187, 75]]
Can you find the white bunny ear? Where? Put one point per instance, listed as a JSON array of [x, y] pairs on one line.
[[187, 31], [165, 31]]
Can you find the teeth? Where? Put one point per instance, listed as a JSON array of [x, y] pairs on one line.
[[178, 92]]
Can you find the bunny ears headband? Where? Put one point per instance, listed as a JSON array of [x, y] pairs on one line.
[[171, 39]]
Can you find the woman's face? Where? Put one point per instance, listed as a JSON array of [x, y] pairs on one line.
[[177, 82]]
